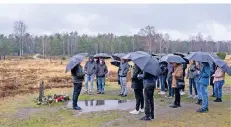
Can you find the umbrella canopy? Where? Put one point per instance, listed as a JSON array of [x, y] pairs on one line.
[[215, 56], [173, 59], [222, 64], [180, 54], [78, 58], [200, 57], [102, 55], [117, 56], [146, 63], [115, 63]]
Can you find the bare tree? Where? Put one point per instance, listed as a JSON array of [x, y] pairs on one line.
[[20, 31]]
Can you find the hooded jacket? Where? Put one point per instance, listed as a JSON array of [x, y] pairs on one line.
[[90, 67], [204, 76], [77, 74], [124, 68]]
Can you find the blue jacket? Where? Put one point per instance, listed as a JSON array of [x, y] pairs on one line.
[[204, 76]]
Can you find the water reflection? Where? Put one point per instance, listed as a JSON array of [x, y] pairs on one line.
[[102, 102]]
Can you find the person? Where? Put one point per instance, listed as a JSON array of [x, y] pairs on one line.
[[149, 87], [163, 76], [182, 92], [196, 78], [191, 75], [90, 70], [169, 78], [219, 80], [204, 82], [78, 77], [137, 85], [177, 83], [212, 69], [123, 70], [97, 63], [100, 73]]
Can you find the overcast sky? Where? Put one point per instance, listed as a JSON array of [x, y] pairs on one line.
[[179, 20]]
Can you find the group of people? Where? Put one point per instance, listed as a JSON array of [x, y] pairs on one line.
[[172, 77]]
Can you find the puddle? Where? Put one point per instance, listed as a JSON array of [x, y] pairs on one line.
[[103, 105]]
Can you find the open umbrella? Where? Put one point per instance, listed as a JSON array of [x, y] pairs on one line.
[[173, 59], [117, 56], [222, 64], [102, 55], [115, 63], [146, 63], [200, 57], [78, 58]]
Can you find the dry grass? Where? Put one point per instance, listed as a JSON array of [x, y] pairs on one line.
[[22, 76]]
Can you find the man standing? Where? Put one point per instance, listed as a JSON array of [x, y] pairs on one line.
[[163, 76], [100, 73], [124, 68], [169, 78], [90, 70]]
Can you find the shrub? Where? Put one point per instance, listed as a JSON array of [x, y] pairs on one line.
[[63, 58], [221, 55]]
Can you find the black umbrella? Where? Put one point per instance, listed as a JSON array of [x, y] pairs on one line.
[[115, 63], [173, 59], [182, 55], [102, 55], [78, 58], [146, 63], [118, 56], [200, 57], [222, 64]]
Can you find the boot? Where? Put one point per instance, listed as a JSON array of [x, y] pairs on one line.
[[218, 100]]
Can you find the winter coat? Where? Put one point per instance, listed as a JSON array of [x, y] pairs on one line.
[[101, 70], [192, 71], [177, 76], [124, 68], [136, 82], [164, 69], [77, 74], [219, 75], [148, 79], [204, 76], [90, 68]]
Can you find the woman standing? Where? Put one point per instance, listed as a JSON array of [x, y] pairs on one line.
[[78, 77], [177, 83], [137, 85], [191, 76], [219, 80]]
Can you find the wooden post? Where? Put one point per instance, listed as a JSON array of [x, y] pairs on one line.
[[41, 91]]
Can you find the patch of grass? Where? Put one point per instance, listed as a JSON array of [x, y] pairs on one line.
[[228, 80]]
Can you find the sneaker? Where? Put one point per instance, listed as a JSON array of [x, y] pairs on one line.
[[173, 106], [135, 112], [86, 92], [99, 93], [161, 93], [201, 110], [182, 93], [152, 117], [217, 100], [189, 97], [77, 108], [141, 110], [146, 118], [90, 93], [195, 97]]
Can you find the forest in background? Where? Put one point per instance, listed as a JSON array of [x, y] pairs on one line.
[[21, 42]]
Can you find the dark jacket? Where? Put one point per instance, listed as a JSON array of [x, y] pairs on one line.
[[136, 82], [148, 79], [77, 74], [90, 67], [101, 70], [164, 69], [124, 68]]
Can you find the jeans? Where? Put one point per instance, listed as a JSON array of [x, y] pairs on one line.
[[218, 88], [158, 82], [177, 96], [192, 84], [163, 82], [198, 89], [149, 101], [76, 92], [171, 90], [101, 82], [204, 93], [123, 84], [87, 79], [139, 99]]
